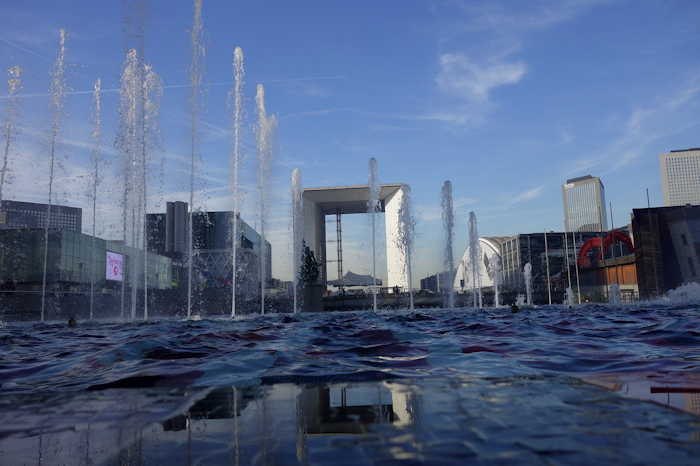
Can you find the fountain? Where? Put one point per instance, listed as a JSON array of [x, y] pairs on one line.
[[474, 256], [527, 275], [152, 91], [495, 269], [197, 43], [9, 130], [58, 96], [297, 231], [373, 207], [570, 296], [614, 294], [448, 223], [406, 226], [96, 160], [265, 132], [235, 164]]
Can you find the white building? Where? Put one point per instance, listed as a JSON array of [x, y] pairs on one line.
[[489, 255], [680, 177], [584, 204]]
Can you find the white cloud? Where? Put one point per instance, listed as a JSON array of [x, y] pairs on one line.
[[461, 76], [528, 195]]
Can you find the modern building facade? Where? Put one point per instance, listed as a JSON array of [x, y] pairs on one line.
[[547, 255], [680, 177], [73, 260], [584, 204], [667, 248], [17, 215], [212, 239]]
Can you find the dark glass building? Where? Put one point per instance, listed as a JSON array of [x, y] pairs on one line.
[[17, 215], [549, 251], [667, 248]]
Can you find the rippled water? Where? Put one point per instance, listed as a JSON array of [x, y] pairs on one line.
[[357, 388]]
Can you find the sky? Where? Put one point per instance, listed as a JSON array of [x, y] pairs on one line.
[[506, 99]]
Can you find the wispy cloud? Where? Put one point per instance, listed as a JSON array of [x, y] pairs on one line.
[[642, 127], [462, 77], [527, 195]]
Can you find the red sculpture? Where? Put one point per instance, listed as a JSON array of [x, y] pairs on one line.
[[610, 238]]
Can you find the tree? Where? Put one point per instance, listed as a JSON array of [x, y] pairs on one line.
[[310, 268]]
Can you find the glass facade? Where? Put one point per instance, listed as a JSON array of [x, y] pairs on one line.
[[20, 215], [584, 204], [73, 259], [518, 250]]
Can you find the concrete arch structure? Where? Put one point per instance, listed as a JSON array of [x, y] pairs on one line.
[[319, 202]]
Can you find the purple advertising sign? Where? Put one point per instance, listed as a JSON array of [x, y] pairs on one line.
[[115, 266]]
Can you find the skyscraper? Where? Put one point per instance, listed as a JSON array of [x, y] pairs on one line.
[[584, 204], [680, 177]]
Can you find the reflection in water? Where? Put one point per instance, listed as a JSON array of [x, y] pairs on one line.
[[435, 421]]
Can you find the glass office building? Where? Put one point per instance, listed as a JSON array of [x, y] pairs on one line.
[[73, 260], [584, 204], [680, 177]]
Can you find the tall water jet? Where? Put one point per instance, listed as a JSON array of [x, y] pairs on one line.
[[297, 230], [448, 224], [373, 207], [235, 164], [570, 296], [9, 127], [197, 42], [151, 94], [474, 259], [264, 134], [614, 295], [130, 144], [58, 95], [406, 228], [496, 269], [527, 275], [96, 178]]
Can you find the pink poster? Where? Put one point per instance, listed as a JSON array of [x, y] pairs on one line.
[[115, 266]]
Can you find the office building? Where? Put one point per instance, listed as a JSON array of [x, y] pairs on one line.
[[212, 232], [18, 215], [667, 248], [584, 204], [680, 177], [73, 260]]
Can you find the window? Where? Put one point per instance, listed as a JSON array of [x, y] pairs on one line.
[[685, 241], [691, 266]]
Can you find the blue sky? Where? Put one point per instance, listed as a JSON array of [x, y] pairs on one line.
[[506, 99]]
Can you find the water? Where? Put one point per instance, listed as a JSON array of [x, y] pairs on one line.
[[196, 76], [373, 207], [404, 237], [9, 127], [527, 276], [475, 259], [436, 387], [614, 295], [152, 93], [95, 180], [57, 101], [496, 269], [235, 164], [297, 232], [265, 134], [570, 297], [448, 225]]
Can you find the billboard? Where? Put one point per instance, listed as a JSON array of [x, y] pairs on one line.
[[115, 266]]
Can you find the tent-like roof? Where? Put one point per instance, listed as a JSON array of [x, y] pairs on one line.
[[353, 279]]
